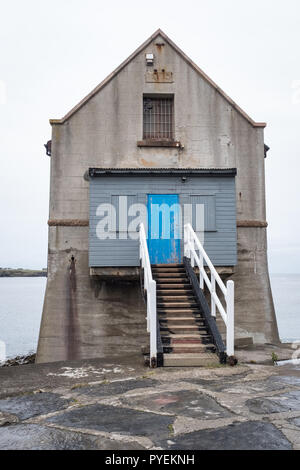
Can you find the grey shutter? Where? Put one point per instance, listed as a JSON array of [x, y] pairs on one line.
[[96, 199], [186, 209], [209, 203], [122, 229], [143, 199]]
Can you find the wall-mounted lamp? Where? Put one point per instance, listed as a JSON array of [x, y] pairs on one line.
[[48, 148]]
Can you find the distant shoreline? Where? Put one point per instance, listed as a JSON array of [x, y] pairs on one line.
[[10, 272]]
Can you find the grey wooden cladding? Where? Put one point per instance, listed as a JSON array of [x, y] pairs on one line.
[[217, 194]]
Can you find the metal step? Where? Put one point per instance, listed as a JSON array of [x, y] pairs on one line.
[[169, 311], [176, 298], [184, 320], [184, 316], [184, 336], [188, 348], [170, 265], [182, 328], [172, 280], [191, 360], [175, 286], [168, 271], [178, 342], [186, 292], [176, 304], [167, 275]]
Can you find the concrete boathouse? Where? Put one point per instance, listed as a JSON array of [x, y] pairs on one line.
[[156, 133]]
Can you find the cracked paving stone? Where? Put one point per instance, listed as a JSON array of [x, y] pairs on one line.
[[295, 422], [217, 385], [289, 380], [237, 385], [184, 402], [243, 436], [36, 437], [27, 406], [254, 387], [116, 388], [277, 404], [114, 419]]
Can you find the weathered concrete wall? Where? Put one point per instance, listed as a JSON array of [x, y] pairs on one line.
[[83, 318], [104, 133]]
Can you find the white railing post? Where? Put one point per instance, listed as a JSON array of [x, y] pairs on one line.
[[187, 250], [145, 278], [213, 290], [230, 319], [140, 248], [148, 314], [192, 249], [185, 240], [153, 322], [201, 265]]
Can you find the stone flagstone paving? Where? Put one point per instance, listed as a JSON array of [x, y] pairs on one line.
[[248, 407]]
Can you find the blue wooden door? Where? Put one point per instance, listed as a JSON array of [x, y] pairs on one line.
[[164, 228]]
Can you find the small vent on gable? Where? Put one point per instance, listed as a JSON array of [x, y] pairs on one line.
[[149, 59]]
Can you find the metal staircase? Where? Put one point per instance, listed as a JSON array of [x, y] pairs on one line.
[[182, 326], [185, 338]]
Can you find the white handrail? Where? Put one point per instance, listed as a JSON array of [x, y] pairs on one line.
[[191, 246], [150, 287]]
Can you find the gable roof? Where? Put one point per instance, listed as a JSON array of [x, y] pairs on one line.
[[157, 33]]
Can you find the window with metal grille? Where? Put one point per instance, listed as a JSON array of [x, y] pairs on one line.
[[158, 118]]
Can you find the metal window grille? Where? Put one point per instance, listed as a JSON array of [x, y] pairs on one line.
[[158, 118]]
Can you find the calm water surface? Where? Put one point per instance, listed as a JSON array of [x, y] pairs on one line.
[[21, 303], [286, 296]]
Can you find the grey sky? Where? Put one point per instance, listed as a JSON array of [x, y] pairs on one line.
[[53, 54]]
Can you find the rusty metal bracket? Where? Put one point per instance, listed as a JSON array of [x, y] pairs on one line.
[[68, 223]]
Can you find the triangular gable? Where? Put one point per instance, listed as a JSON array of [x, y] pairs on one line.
[[159, 32]]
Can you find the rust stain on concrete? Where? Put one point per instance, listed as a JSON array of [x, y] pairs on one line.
[[147, 163], [73, 325]]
